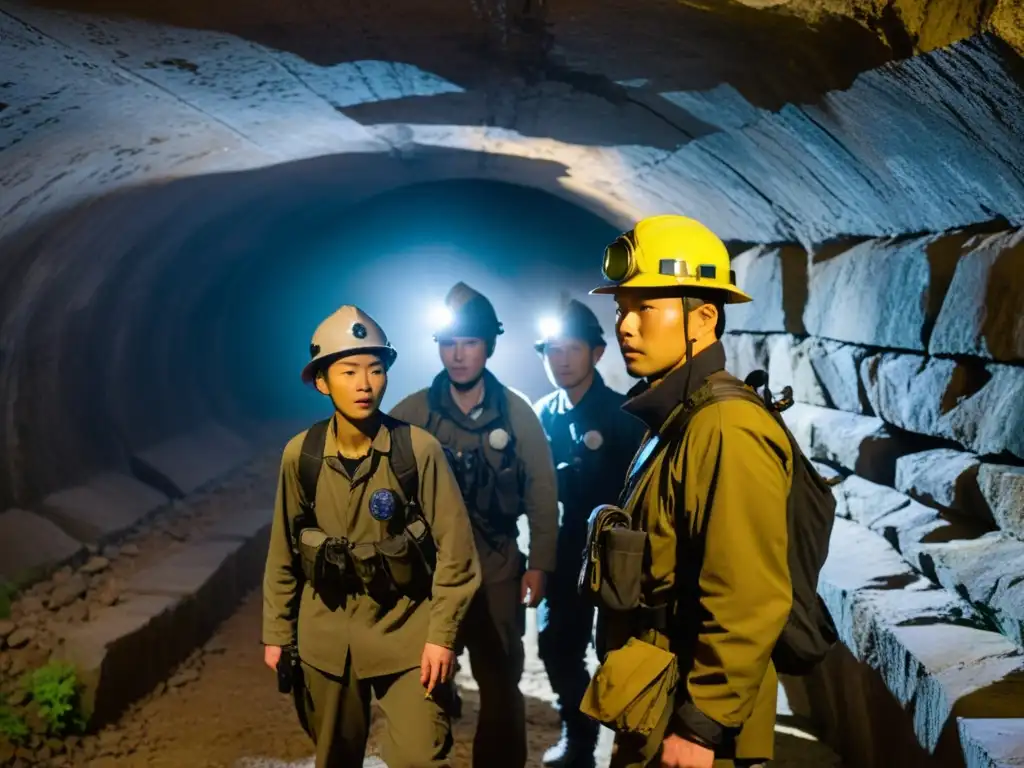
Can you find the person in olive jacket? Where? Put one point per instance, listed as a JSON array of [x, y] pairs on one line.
[[712, 497], [358, 638], [592, 441], [503, 464]]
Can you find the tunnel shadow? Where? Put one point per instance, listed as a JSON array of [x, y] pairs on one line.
[[769, 58], [119, 347]]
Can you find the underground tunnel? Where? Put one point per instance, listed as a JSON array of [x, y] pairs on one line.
[[187, 190]]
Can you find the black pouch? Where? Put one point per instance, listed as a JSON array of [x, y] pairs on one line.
[[622, 558], [404, 567], [506, 489], [368, 567]]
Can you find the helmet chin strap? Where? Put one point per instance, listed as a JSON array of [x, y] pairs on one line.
[[467, 385], [689, 346]]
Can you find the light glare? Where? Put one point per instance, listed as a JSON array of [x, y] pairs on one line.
[[550, 327]]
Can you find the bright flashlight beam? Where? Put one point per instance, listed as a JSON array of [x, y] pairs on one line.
[[550, 327], [441, 316]]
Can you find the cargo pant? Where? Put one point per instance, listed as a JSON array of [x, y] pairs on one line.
[[492, 633], [417, 732]]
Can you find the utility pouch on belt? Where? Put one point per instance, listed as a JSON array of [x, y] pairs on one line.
[[325, 559], [632, 688], [613, 560]]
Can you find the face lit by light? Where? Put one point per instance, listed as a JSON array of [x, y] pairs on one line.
[[355, 384], [568, 362], [463, 357], [652, 332]]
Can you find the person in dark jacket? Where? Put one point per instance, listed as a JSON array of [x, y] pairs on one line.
[[592, 442]]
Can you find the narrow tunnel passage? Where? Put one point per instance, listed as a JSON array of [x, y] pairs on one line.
[[182, 200]]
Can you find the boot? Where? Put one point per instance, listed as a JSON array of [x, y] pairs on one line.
[[575, 747]]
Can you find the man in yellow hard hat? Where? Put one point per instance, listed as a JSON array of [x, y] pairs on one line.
[[503, 464], [371, 566], [697, 568]]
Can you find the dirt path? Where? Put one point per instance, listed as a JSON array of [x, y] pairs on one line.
[[222, 710]]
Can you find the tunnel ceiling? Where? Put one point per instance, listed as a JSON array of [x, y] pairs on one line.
[[126, 141], [767, 126]]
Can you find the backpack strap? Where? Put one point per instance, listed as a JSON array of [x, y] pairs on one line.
[[403, 462], [310, 461]]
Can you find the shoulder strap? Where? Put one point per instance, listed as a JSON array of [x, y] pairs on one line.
[[403, 461], [311, 459]]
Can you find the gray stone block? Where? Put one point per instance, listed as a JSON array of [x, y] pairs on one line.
[[860, 444], [185, 572], [981, 408], [243, 524], [944, 477], [989, 572], [1003, 488], [105, 506], [745, 352], [992, 742], [776, 276], [123, 651], [983, 312], [190, 461], [790, 366], [837, 369], [31, 546], [881, 293], [903, 522], [923, 642]]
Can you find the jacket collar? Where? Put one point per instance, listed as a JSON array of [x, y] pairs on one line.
[[441, 400], [654, 404]]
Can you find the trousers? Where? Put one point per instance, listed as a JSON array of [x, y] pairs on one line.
[[417, 733]]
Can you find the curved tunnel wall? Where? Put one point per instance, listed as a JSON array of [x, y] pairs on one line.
[[147, 169], [101, 283]]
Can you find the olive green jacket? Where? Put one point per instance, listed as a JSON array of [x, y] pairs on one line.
[[536, 486], [392, 642], [713, 500]]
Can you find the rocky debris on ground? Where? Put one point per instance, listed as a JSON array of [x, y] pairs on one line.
[[77, 593]]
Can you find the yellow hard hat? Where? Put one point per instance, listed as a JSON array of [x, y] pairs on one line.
[[670, 252]]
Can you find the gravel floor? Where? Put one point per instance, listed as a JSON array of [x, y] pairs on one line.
[[223, 711]]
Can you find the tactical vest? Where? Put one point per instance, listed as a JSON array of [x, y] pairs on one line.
[[402, 562], [489, 473]]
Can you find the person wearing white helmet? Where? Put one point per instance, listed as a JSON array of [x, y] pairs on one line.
[[503, 464], [371, 566]]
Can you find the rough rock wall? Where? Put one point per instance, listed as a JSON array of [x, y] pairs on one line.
[[911, 26], [906, 361]]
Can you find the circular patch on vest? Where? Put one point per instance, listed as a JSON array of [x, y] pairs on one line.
[[498, 439], [382, 504], [359, 330], [593, 439]]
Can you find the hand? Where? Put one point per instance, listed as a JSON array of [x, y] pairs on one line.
[[436, 665], [271, 655], [677, 752], [532, 590]]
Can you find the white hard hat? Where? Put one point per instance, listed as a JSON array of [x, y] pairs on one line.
[[348, 331]]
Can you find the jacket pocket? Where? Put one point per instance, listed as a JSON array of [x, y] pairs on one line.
[[622, 559], [632, 688]]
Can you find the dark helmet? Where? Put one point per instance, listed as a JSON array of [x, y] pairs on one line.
[[469, 314], [575, 320]]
